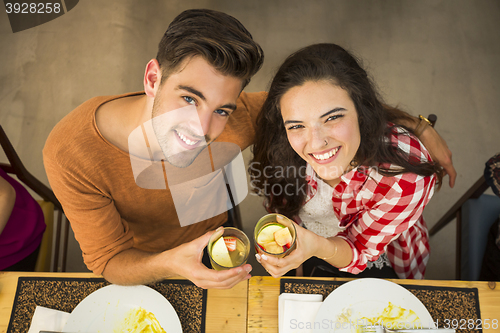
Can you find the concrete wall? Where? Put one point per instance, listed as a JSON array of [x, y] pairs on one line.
[[428, 56]]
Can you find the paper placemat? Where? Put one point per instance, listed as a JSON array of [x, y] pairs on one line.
[[443, 303], [64, 294]]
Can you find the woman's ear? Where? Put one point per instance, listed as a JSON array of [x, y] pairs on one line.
[[152, 78]]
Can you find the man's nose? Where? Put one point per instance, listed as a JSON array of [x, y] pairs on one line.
[[205, 116]]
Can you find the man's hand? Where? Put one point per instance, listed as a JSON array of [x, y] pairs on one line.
[[186, 260], [434, 143], [439, 151], [132, 267]]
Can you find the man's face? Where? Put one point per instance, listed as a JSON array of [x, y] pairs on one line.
[[183, 134]]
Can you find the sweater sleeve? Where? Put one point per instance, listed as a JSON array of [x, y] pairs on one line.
[[390, 216], [386, 221], [99, 229]]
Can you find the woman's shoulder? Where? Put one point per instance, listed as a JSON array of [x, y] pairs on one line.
[[380, 188]]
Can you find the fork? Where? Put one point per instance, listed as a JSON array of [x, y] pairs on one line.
[[383, 329]]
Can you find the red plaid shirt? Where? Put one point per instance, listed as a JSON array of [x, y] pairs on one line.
[[384, 214]]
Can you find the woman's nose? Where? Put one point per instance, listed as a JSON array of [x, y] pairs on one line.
[[317, 139]]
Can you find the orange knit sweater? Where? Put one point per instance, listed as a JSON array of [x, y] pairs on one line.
[[94, 182]]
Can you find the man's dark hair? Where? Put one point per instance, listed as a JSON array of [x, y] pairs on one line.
[[218, 37]]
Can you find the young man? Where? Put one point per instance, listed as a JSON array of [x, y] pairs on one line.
[[131, 234]]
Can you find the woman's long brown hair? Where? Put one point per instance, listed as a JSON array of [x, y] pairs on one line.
[[275, 165]]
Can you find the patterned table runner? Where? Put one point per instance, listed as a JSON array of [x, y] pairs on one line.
[[64, 294], [443, 303]]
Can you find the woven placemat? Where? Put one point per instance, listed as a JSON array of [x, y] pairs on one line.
[[64, 294], [444, 304]]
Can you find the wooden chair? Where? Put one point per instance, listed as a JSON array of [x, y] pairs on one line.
[[474, 212], [49, 204], [44, 261]]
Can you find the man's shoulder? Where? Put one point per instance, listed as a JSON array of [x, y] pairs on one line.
[[77, 131], [83, 116], [258, 97], [76, 123], [240, 128], [251, 102]]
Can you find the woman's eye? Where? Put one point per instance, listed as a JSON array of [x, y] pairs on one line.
[[334, 117], [190, 100]]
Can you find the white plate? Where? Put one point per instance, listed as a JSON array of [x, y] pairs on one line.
[[104, 308], [366, 297]]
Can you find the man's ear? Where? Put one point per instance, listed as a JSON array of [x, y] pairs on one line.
[[152, 78]]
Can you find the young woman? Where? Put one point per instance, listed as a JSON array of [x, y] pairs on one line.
[[328, 155]]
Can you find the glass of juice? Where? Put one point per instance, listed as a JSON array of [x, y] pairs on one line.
[[228, 248], [274, 235]]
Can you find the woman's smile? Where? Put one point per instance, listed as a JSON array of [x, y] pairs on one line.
[[325, 156], [322, 127]]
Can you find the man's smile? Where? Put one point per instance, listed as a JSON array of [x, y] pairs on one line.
[[186, 141]]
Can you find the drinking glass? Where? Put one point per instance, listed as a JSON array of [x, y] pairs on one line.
[[270, 219], [237, 256]]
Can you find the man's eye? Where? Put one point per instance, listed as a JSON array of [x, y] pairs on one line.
[[190, 100], [222, 112], [294, 127]]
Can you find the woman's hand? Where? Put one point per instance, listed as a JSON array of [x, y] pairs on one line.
[[306, 247]]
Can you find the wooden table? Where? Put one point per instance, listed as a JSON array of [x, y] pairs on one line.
[[263, 295], [252, 306], [226, 309]]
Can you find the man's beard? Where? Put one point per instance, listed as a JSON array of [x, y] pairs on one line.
[[180, 159], [167, 138]]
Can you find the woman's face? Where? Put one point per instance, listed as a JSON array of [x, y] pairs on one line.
[[321, 123]]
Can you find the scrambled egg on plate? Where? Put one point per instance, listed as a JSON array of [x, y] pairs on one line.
[[139, 320], [392, 316]]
